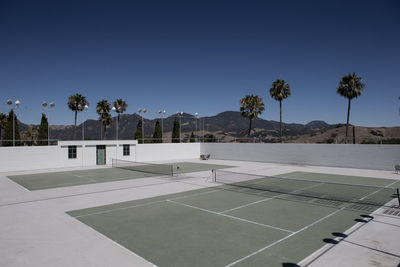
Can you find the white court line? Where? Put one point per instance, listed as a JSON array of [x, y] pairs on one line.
[[20, 185], [144, 204], [282, 239], [302, 229], [57, 186], [266, 199], [229, 216], [83, 176]]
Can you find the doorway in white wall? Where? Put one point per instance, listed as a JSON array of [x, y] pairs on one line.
[[101, 155]]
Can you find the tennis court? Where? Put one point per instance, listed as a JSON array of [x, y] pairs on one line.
[[122, 170], [245, 220]]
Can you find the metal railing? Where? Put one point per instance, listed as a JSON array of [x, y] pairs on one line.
[[286, 140], [29, 142], [229, 139]]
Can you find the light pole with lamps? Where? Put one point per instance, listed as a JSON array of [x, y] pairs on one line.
[[48, 107], [196, 116], [116, 131], [180, 113], [17, 103], [162, 113], [85, 108], [140, 111], [116, 125]]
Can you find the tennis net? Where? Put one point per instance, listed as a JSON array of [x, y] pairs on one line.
[[151, 168], [315, 191]]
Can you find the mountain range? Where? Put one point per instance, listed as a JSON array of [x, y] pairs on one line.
[[227, 126]]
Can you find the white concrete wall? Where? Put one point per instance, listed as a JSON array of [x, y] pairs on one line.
[[171, 151], [45, 157], [379, 157]]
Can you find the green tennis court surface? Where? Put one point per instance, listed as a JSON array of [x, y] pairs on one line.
[[236, 225], [81, 177]]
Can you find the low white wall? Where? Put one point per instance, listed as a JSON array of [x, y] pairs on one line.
[[379, 157], [157, 152], [45, 157]]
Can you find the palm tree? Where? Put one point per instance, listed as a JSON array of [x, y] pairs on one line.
[[106, 120], [251, 107], [350, 87], [280, 90], [77, 103], [3, 122], [102, 108], [120, 106]]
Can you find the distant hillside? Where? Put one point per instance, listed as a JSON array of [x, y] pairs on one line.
[[227, 126]]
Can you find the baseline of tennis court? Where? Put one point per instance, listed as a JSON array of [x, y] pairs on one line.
[[236, 225], [81, 177]]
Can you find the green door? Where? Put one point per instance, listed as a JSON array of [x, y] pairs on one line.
[[101, 155]]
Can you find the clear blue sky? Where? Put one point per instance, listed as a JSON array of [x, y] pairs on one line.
[[201, 56]]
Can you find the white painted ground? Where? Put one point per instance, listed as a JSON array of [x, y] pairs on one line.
[[36, 231]]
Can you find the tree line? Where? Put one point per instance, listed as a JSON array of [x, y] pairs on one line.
[[32, 136], [350, 86]]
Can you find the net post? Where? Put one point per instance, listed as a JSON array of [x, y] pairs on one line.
[[398, 196], [214, 175]]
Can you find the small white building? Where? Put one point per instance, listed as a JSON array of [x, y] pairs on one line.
[[89, 153], [66, 154]]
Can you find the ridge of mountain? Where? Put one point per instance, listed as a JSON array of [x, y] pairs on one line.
[[225, 124]]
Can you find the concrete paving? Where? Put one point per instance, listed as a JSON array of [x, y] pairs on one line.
[[36, 231]]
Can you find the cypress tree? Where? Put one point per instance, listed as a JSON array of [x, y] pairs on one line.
[[157, 135], [138, 134], [43, 131], [192, 140], [3, 122], [175, 132], [8, 130], [210, 138]]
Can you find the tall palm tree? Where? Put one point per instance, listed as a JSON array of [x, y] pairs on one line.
[[77, 103], [3, 122], [120, 106], [252, 106], [280, 90], [350, 87], [102, 108], [106, 120]]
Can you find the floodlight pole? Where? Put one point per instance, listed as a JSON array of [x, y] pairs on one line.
[[116, 125], [17, 103], [140, 111], [180, 113], [196, 115], [162, 113], [47, 108], [116, 132], [86, 107], [144, 111]]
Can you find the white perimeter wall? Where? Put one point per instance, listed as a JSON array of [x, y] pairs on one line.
[[47, 157], [379, 157], [171, 151]]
